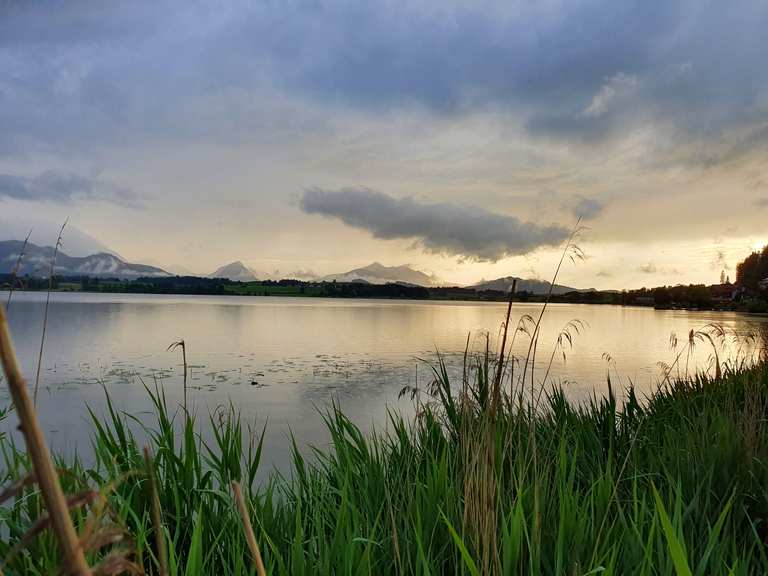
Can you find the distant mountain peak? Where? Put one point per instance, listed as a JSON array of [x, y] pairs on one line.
[[378, 273], [75, 241], [37, 261], [236, 271], [379, 267], [504, 284]]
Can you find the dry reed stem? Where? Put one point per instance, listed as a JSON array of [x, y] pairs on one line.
[[480, 494], [480, 485], [17, 268], [500, 368], [45, 310], [162, 552], [181, 344], [249, 535], [47, 479]]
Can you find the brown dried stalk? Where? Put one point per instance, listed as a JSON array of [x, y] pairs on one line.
[[249, 536], [162, 553], [47, 479], [181, 344]]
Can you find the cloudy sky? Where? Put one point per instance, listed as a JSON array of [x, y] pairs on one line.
[[464, 139]]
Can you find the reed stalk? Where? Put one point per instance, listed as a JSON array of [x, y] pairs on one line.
[[45, 310], [181, 344], [248, 529], [44, 470], [17, 268], [157, 521]]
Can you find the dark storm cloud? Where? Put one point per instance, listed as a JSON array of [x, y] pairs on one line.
[[63, 188], [465, 231], [586, 70], [440, 54]]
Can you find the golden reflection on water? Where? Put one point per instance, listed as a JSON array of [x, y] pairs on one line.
[[281, 358]]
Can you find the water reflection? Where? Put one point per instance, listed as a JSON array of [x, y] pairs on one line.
[[282, 358]]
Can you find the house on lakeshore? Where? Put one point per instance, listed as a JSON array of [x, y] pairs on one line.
[[763, 284], [722, 293], [644, 301]]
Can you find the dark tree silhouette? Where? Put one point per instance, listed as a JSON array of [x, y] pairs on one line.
[[753, 269]]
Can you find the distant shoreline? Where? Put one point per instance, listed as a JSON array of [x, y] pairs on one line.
[[190, 285]]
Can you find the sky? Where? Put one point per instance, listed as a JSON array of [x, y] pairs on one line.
[[464, 139]]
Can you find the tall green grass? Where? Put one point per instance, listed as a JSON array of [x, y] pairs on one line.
[[481, 482]]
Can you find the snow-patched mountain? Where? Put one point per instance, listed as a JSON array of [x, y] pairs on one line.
[[235, 271], [37, 262], [44, 232], [534, 286], [379, 274]]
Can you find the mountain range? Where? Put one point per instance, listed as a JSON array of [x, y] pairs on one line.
[[375, 273], [37, 261], [43, 232]]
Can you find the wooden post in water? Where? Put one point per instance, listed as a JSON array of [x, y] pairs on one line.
[[45, 472]]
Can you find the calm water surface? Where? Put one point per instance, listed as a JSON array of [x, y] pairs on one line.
[[279, 360]]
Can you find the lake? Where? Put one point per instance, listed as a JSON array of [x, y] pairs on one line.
[[281, 360]]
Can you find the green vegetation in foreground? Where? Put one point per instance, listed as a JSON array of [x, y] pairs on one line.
[[674, 485]]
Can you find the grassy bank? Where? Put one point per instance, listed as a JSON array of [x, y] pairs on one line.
[[480, 483]]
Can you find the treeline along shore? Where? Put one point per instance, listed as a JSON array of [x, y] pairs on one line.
[[724, 296]]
